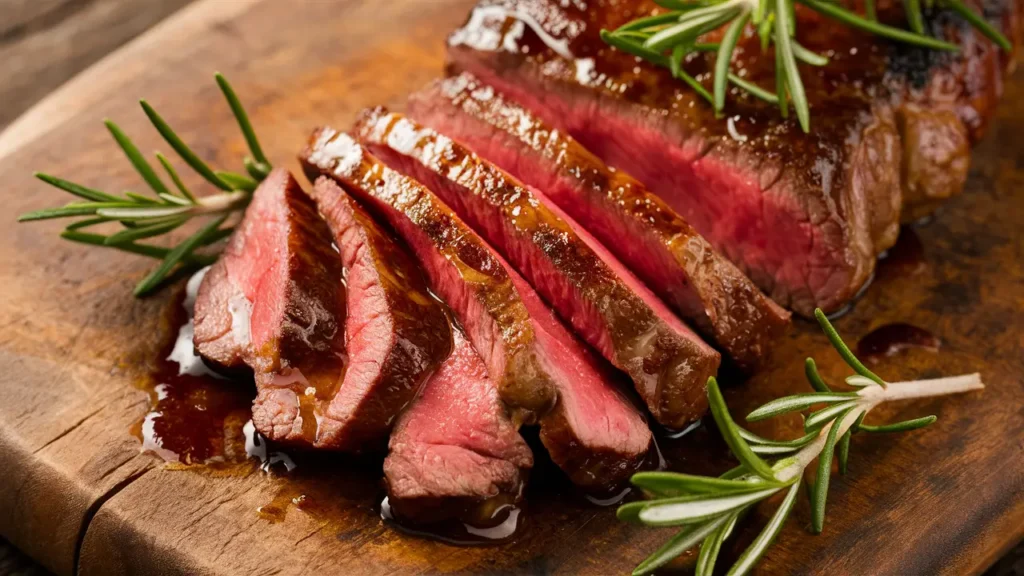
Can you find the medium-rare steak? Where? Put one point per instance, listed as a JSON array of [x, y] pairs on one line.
[[589, 288], [805, 215], [395, 336], [665, 251], [541, 371], [455, 453], [276, 301]]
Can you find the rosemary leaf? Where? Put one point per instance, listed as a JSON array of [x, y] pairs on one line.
[[711, 546], [135, 157], [730, 432], [780, 85], [843, 350], [75, 209], [181, 148], [808, 57], [657, 20], [811, 372], [670, 512], [86, 223], [681, 542], [691, 25], [795, 403], [237, 181], [174, 177], [784, 48], [759, 441], [764, 540], [844, 451], [858, 422], [850, 19], [912, 8], [869, 10], [172, 199], [176, 256], [979, 22], [821, 417], [141, 232], [859, 381], [753, 89], [157, 252], [243, 119], [819, 494], [673, 484], [142, 213], [256, 170], [630, 512], [724, 58], [904, 426], [141, 198], [77, 189]]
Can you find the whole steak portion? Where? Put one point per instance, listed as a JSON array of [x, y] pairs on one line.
[[541, 371], [588, 287], [637, 226], [455, 453], [804, 215]]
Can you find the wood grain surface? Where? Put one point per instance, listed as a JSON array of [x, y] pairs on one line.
[[45, 42], [77, 493]]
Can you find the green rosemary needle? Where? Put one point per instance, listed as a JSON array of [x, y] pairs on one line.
[[707, 508], [666, 39], [142, 216]]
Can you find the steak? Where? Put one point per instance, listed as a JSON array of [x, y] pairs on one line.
[[665, 251], [396, 335], [541, 371], [590, 289], [331, 372], [455, 453], [803, 214]]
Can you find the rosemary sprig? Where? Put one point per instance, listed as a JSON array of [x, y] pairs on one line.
[[666, 39], [142, 216], [707, 508]]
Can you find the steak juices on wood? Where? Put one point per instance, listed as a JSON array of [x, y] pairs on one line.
[[609, 307], [276, 301], [541, 371], [668, 254], [805, 215]]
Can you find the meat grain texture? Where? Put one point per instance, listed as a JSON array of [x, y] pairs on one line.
[[803, 214]]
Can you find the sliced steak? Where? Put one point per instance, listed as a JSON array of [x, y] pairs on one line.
[[665, 251], [541, 371], [455, 453], [804, 215], [608, 306], [276, 301]]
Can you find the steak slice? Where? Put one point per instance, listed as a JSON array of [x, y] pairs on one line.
[[668, 254], [609, 307], [804, 215], [455, 453], [397, 334], [276, 301], [542, 372]]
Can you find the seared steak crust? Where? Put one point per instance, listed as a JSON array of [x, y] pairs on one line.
[[542, 372], [805, 215], [586, 285], [643, 231]]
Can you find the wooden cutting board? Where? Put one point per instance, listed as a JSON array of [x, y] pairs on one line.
[[77, 493]]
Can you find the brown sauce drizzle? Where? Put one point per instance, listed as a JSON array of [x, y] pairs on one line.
[[202, 419], [891, 339]]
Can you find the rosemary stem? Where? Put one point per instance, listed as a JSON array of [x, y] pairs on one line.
[[223, 202], [924, 388], [871, 397]]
